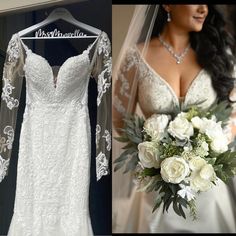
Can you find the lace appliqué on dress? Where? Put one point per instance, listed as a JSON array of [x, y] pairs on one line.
[[103, 85], [131, 60], [125, 87], [98, 131], [6, 95], [6, 143], [3, 167], [13, 49], [104, 78], [117, 103], [104, 45], [107, 137], [102, 165]]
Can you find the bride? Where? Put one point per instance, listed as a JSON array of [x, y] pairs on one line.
[[173, 55]]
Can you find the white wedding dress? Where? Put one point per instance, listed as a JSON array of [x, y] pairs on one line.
[[53, 173], [216, 208]]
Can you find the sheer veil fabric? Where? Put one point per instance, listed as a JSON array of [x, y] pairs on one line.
[[123, 103], [135, 80]]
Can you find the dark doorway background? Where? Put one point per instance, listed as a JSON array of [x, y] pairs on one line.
[[95, 13]]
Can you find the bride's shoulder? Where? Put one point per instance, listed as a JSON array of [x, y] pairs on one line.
[[150, 50], [146, 50], [153, 44]]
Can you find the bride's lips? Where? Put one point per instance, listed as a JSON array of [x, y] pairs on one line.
[[199, 19]]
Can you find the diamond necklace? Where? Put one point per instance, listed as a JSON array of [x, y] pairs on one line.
[[178, 57]]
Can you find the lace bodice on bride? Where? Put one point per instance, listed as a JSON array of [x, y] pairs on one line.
[[155, 95]]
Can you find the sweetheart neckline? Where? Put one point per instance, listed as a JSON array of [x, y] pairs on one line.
[[55, 84], [55, 79], [178, 100]]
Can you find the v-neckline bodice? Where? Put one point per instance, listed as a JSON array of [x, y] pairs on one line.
[[178, 100]]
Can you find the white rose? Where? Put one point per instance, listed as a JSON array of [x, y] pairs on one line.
[[197, 163], [203, 124], [180, 127], [213, 117], [220, 144], [201, 180], [197, 122], [148, 155], [174, 169], [219, 140], [155, 126], [211, 128], [214, 131], [199, 184], [207, 172]]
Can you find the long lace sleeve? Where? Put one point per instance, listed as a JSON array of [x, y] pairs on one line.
[[11, 90], [125, 87], [102, 74]]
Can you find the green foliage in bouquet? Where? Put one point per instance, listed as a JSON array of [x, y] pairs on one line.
[[190, 142], [132, 135]]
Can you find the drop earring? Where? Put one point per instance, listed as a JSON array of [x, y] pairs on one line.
[[168, 17]]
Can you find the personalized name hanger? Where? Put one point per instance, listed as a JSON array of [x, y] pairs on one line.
[[59, 14]]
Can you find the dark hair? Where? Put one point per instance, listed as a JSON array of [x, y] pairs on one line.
[[214, 47]]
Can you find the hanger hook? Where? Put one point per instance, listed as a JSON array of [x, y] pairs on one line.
[[60, 11]]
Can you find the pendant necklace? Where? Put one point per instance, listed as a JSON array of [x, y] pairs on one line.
[[178, 57]]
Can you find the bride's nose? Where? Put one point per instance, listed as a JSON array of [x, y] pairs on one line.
[[202, 9]]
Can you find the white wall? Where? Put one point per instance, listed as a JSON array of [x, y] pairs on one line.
[[121, 17]]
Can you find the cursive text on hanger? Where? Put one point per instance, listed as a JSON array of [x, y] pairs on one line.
[[57, 33]]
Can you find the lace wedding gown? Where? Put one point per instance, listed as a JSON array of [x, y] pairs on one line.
[[53, 173], [216, 208]]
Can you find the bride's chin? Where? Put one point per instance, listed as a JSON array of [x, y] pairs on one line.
[[197, 28]]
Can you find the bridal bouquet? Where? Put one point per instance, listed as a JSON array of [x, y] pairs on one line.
[[178, 156]]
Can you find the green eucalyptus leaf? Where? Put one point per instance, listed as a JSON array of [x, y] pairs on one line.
[[118, 166], [173, 188], [130, 145], [124, 155], [183, 202], [176, 208], [181, 211], [132, 163], [121, 158], [122, 139], [157, 202], [211, 161], [152, 186], [166, 198], [151, 171], [167, 204], [134, 139], [158, 185]]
